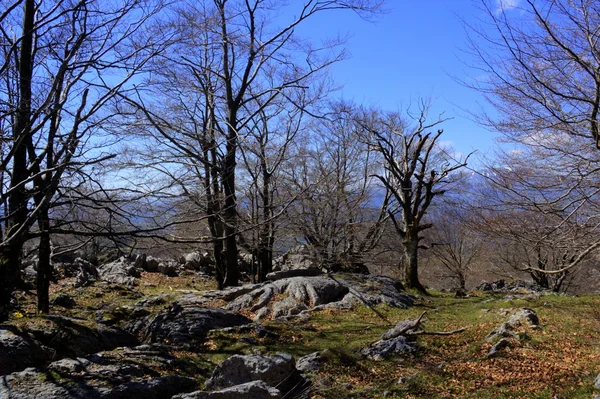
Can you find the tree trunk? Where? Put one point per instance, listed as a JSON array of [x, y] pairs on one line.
[[44, 269], [462, 281], [411, 260], [265, 241], [230, 211], [17, 201]]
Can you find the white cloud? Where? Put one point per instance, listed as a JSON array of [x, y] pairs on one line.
[[505, 5]]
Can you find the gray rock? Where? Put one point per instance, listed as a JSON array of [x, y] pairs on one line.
[[70, 337], [288, 307], [371, 290], [293, 273], [197, 260], [120, 271], [152, 301], [18, 351], [140, 262], [524, 316], [597, 382], [152, 264], [310, 363], [168, 268], [261, 314], [107, 375], [29, 273], [250, 390], [186, 325], [515, 286], [504, 330], [308, 294], [498, 347], [86, 272], [299, 257], [508, 329], [399, 345], [300, 293], [69, 366], [277, 370]]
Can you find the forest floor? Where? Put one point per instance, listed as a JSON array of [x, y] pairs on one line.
[[559, 360]]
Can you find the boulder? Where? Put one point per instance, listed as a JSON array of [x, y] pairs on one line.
[[19, 351], [299, 257], [152, 264], [310, 363], [86, 272], [509, 329], [121, 271], [29, 273], [76, 337], [185, 325], [124, 373], [168, 268], [371, 290], [383, 349], [301, 293], [197, 261], [498, 347], [515, 286], [286, 297], [277, 370], [525, 316], [250, 390]]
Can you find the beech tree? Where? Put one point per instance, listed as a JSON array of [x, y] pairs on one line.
[[265, 151], [414, 171], [541, 63], [62, 63], [229, 61], [454, 243], [539, 203], [336, 213]]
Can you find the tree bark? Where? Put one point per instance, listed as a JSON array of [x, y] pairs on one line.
[[230, 209], [411, 261], [44, 269], [17, 199]]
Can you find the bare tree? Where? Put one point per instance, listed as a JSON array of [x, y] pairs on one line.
[[541, 63], [265, 151], [415, 170], [66, 62], [231, 61], [453, 242], [538, 204], [337, 213]]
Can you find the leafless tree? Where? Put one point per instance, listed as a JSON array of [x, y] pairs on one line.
[[415, 170], [231, 61], [337, 213], [538, 203], [453, 242], [265, 150], [62, 63], [541, 63]]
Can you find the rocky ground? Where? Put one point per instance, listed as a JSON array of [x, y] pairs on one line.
[[158, 328]]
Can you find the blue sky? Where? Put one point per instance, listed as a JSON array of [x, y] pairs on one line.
[[412, 52]]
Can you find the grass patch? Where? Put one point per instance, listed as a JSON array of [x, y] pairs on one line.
[[560, 360]]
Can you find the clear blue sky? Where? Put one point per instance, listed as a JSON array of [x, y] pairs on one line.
[[411, 52]]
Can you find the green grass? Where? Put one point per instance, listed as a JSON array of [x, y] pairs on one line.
[[554, 362], [560, 360]]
